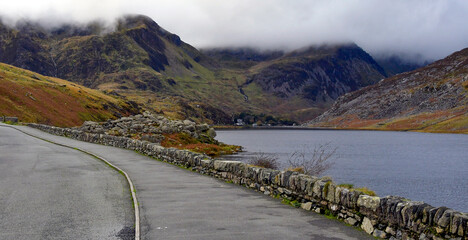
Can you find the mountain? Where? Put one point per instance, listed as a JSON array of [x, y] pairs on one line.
[[155, 68], [394, 64], [36, 98], [433, 98], [320, 74], [301, 83], [240, 58]]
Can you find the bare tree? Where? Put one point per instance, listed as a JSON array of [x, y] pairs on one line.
[[313, 161], [265, 160]]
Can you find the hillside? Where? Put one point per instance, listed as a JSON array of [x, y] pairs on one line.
[[36, 98], [302, 83], [155, 68], [433, 98]]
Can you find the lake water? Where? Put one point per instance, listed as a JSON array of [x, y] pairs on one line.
[[419, 166]]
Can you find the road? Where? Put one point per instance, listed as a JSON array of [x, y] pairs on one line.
[[53, 192], [179, 204]]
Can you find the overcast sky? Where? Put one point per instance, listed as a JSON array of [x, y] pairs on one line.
[[431, 28]]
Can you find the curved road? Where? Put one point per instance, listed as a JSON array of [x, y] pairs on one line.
[[53, 192], [179, 204]]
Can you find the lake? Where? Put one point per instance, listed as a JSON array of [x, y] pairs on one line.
[[419, 166]]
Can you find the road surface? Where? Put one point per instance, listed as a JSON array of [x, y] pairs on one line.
[[53, 192], [179, 204]]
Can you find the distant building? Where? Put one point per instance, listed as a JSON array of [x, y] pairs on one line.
[[239, 122]]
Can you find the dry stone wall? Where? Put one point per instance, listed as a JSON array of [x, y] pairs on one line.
[[388, 217]]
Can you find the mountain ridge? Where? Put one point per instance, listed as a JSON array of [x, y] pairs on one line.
[[151, 66], [433, 98]]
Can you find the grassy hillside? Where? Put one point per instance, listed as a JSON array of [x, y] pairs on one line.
[[36, 98]]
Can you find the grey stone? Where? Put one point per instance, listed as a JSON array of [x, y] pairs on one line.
[[380, 234], [351, 221], [367, 225], [307, 206], [368, 202], [390, 231], [211, 133]]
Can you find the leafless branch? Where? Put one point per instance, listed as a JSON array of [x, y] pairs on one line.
[[313, 161]]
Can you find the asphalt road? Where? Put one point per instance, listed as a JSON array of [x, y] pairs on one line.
[[53, 192], [179, 204]]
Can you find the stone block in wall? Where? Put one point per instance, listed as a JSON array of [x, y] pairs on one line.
[[369, 202], [285, 178], [10, 119], [367, 225], [330, 192], [267, 176], [318, 189], [351, 221], [459, 223], [226, 166], [306, 206], [444, 220]]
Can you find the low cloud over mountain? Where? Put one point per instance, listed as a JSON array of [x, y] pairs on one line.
[[416, 29]]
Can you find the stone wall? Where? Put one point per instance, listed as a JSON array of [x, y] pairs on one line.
[[385, 217], [8, 119]]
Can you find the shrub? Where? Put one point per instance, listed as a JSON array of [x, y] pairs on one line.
[[313, 161], [265, 160]]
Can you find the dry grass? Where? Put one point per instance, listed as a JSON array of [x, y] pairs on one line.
[[36, 98], [210, 148]]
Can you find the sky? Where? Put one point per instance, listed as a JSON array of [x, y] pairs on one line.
[[424, 29]]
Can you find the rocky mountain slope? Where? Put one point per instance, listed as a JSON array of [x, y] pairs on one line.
[[433, 98], [155, 68], [36, 98]]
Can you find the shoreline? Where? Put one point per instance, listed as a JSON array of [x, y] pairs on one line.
[[235, 128]]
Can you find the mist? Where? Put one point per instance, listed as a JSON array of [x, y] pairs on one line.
[[414, 29]]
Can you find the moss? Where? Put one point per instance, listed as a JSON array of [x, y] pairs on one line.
[[346, 185], [366, 191], [293, 203], [325, 188]]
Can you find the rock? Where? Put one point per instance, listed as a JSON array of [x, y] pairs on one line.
[[380, 234], [211, 133], [390, 231], [444, 220], [202, 127], [351, 221], [334, 207], [188, 122], [306, 206], [367, 225], [368, 202], [423, 237]]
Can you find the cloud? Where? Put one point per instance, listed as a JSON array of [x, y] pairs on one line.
[[430, 28]]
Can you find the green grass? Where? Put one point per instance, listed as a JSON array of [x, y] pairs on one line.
[[346, 185]]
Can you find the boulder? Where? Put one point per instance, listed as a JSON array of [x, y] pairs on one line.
[[211, 133]]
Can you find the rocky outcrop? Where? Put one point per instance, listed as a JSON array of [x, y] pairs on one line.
[[385, 217], [147, 127]]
